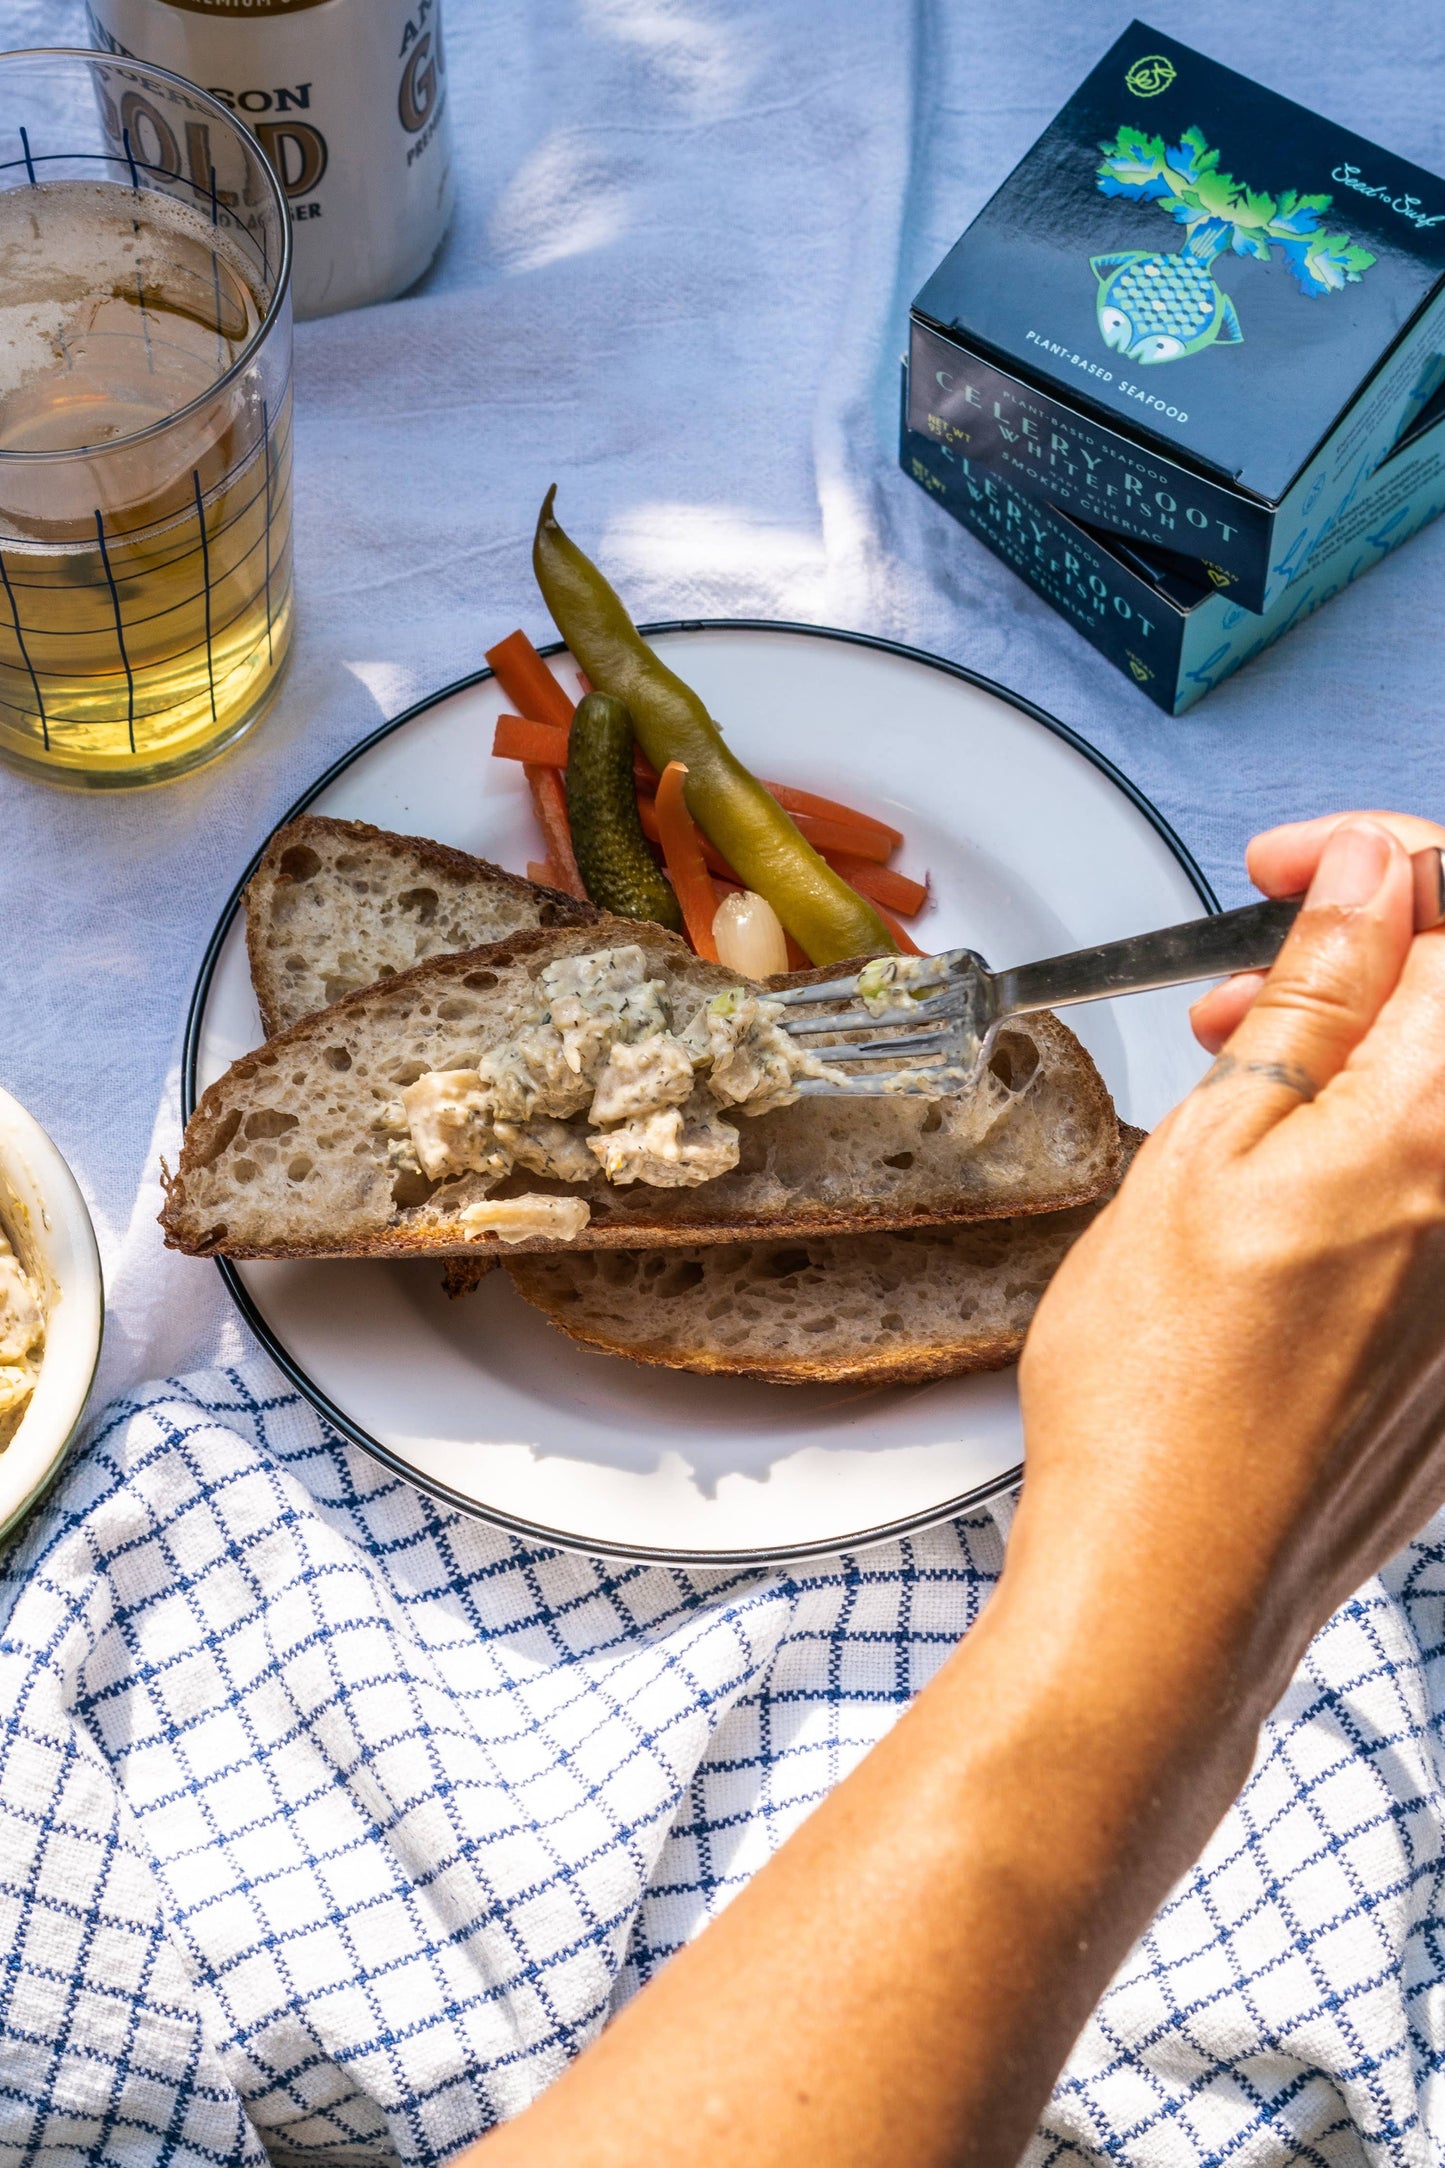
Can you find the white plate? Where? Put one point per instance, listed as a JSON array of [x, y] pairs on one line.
[[1034, 845]]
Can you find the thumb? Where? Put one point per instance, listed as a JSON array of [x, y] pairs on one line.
[[1338, 967]]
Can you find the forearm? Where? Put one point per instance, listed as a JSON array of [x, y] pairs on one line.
[[904, 1979]]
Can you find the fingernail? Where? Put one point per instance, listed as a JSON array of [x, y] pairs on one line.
[[1352, 867]]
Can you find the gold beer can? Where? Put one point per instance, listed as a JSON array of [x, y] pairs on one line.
[[348, 99]]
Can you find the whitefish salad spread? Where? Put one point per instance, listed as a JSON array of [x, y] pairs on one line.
[[22, 1339], [604, 1075]]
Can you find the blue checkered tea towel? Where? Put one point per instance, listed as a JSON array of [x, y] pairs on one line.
[[332, 1823]]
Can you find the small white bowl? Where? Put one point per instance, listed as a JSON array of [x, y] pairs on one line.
[[46, 1219]]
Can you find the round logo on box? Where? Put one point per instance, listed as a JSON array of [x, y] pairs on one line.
[[1147, 77]]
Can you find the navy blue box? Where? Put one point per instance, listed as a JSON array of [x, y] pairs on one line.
[[1195, 314], [1159, 617]]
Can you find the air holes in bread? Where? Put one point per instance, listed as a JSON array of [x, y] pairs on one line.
[[898, 1159], [300, 863], [479, 981], [270, 1122], [424, 901], [337, 1058], [678, 1276], [781, 1264], [299, 1168], [1013, 1060], [409, 1189], [244, 1170], [932, 1121], [210, 1150]]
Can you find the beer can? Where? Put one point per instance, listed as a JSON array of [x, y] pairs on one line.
[[348, 99]]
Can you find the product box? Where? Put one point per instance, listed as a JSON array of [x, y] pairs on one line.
[[1195, 315], [1154, 614]]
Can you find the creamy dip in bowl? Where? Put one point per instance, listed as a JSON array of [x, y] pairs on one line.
[[50, 1311]]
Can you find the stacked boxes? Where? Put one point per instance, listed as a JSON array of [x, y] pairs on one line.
[[1181, 372]]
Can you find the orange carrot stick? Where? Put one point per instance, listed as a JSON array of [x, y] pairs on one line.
[[881, 840], [873, 839], [682, 855], [549, 798], [543, 744], [543, 870], [825, 836], [528, 683], [880, 884], [828, 809], [712, 857], [829, 835], [827, 825]]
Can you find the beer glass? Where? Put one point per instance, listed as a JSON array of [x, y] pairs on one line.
[[145, 422]]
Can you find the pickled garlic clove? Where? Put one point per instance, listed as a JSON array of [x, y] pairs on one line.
[[749, 936]]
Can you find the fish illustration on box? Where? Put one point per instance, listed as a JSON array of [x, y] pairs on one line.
[[1158, 306]]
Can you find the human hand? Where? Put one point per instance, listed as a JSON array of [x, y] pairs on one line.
[[1282, 862], [1233, 1390]]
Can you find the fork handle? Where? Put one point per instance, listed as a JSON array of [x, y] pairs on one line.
[[1203, 948]]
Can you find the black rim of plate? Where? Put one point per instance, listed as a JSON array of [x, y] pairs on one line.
[[532, 1531]]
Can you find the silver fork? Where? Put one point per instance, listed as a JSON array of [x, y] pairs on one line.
[[961, 1003]]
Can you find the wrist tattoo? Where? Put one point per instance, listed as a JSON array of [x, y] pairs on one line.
[[1287, 1073]]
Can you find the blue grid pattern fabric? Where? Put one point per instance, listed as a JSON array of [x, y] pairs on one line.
[[332, 1823]]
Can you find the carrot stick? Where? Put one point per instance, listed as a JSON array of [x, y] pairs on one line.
[[828, 809], [549, 798], [881, 839], [542, 744], [899, 932], [528, 683], [682, 854], [712, 857], [827, 825], [543, 870], [880, 884], [873, 839], [827, 835]]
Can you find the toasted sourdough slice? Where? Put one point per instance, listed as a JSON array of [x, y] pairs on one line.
[[335, 905], [876, 1309], [284, 1156]]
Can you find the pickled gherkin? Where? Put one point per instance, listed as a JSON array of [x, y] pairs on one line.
[[617, 868]]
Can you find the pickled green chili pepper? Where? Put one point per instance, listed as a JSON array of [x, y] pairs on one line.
[[826, 918], [617, 868]]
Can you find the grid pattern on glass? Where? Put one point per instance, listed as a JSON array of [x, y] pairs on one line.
[[145, 557], [102, 645]]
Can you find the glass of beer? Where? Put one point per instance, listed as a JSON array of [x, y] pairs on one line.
[[145, 422]]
